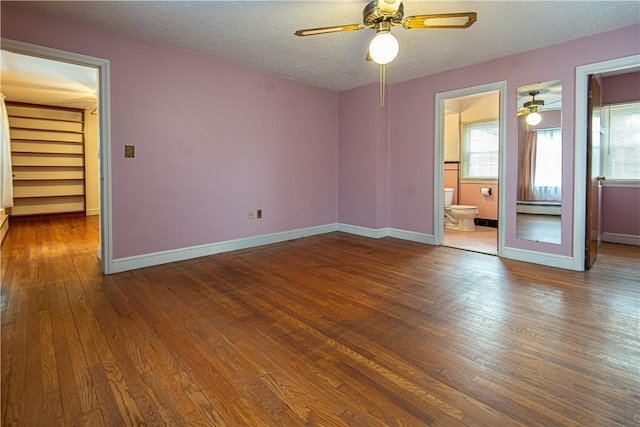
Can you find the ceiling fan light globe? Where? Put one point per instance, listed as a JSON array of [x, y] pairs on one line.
[[533, 119], [383, 48]]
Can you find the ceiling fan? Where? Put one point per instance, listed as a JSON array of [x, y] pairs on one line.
[[381, 15], [531, 108]]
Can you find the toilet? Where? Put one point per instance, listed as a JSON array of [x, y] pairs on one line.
[[458, 217]]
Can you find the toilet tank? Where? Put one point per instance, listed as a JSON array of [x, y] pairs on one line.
[[448, 197]]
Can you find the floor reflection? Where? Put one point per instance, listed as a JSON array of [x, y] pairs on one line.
[[484, 239], [539, 228]]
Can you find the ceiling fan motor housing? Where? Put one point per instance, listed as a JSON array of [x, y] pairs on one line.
[[534, 104], [371, 15]]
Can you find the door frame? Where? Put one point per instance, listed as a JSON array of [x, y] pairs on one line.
[[104, 120], [438, 178], [580, 149]]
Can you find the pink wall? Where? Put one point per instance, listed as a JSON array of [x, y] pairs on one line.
[[362, 159], [212, 139], [621, 210], [621, 88]]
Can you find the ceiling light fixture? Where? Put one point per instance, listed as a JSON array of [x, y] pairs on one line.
[[533, 118], [384, 46]]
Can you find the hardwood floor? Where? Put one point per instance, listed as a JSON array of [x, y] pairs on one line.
[[328, 330]]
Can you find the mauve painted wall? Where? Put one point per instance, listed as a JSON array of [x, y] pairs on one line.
[[411, 131], [362, 159], [621, 88], [212, 139], [621, 210], [621, 205]]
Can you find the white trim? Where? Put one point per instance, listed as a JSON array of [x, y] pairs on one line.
[[364, 231], [438, 178], [580, 149], [535, 257], [104, 108], [91, 212], [182, 254], [412, 236], [624, 239]]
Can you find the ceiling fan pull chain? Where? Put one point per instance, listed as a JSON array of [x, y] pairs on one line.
[[382, 84]]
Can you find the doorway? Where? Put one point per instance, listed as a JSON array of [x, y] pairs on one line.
[[102, 170], [469, 142], [581, 209]]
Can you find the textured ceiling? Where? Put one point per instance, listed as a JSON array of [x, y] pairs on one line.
[[259, 34]]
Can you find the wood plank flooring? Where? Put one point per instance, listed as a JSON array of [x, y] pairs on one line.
[[327, 330]]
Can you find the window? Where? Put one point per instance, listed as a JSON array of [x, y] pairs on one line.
[[620, 148], [480, 156], [547, 177]]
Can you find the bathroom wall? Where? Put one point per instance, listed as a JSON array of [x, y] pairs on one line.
[[487, 205], [451, 180]]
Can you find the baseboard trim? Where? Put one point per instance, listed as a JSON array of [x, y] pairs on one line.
[[550, 260], [624, 239], [387, 232], [413, 236], [364, 231], [147, 260], [91, 212]]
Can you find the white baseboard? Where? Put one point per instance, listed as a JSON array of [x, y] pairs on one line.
[[387, 232], [364, 231], [551, 260], [625, 239], [413, 236], [147, 260]]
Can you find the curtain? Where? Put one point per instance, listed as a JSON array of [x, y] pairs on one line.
[[6, 179], [547, 175], [527, 167]]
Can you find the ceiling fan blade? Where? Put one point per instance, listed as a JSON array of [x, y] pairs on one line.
[[442, 20], [325, 30], [389, 6]]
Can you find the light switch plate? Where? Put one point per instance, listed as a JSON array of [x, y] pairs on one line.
[[129, 151]]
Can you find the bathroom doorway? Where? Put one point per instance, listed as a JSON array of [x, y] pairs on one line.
[[469, 139]]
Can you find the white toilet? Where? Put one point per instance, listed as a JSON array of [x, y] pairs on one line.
[[458, 217]]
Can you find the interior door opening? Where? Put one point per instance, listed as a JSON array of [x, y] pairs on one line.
[[468, 164], [99, 174]]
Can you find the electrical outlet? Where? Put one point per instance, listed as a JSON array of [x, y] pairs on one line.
[[129, 151], [250, 215], [259, 213]]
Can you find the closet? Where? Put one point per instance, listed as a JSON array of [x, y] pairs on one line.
[[47, 156]]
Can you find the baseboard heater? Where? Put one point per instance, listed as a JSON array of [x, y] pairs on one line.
[[539, 207]]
